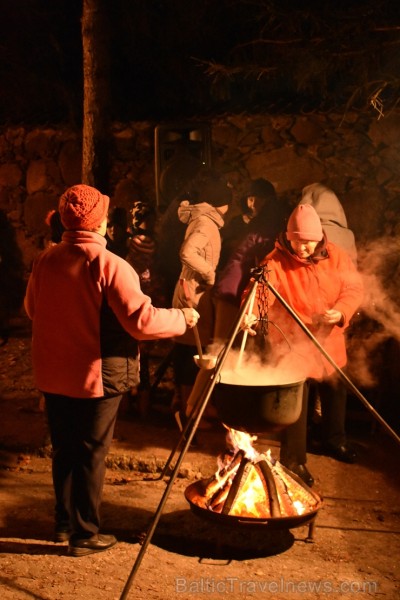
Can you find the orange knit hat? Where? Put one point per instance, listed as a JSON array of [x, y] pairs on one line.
[[304, 224], [83, 207]]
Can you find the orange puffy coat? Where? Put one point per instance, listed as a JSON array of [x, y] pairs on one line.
[[327, 280]]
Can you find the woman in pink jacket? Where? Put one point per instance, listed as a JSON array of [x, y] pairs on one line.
[[88, 313], [321, 284]]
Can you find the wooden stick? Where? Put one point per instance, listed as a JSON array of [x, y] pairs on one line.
[[189, 301], [246, 333]]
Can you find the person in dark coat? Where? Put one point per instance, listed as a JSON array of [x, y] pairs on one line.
[[260, 196], [258, 239]]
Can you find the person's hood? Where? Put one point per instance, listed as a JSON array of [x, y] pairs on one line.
[[326, 204], [332, 216], [188, 212]]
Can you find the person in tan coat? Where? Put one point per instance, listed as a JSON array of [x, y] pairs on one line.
[[199, 255]]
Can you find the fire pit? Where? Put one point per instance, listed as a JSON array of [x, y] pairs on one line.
[[252, 489]]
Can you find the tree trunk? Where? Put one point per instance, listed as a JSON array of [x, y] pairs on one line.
[[96, 96]]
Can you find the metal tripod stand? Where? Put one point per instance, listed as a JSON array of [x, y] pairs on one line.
[[198, 410], [186, 439]]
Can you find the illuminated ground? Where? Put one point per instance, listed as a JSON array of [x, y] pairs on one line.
[[357, 535]]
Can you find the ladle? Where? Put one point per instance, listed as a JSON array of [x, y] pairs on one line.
[[195, 329]]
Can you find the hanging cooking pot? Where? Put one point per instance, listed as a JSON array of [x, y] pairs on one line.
[[257, 408]]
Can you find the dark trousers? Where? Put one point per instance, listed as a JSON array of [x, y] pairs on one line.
[[294, 437], [333, 397], [81, 431], [185, 369]]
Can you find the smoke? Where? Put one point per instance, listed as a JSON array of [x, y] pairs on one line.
[[379, 263], [379, 317]]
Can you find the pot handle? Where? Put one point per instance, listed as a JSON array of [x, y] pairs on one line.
[[258, 522]]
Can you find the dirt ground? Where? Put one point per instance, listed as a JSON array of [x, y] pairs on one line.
[[355, 550]]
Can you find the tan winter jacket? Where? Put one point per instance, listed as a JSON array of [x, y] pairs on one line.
[[199, 256]]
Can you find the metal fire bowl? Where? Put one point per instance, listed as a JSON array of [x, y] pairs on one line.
[[194, 494]]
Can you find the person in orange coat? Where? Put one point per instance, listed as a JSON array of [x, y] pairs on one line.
[[319, 281]]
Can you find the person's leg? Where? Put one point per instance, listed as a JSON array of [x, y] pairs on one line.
[[94, 422], [333, 395], [60, 420], [293, 452], [143, 390], [333, 409], [294, 437], [185, 372], [198, 390], [226, 315]]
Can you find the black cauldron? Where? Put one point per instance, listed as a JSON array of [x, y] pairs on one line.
[[257, 408]]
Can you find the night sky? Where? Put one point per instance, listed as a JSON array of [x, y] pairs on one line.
[[278, 55]]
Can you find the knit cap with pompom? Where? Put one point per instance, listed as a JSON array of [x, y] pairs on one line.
[[83, 207], [304, 224]]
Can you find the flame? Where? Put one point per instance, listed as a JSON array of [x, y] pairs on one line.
[[253, 496], [252, 501], [299, 506], [239, 440]]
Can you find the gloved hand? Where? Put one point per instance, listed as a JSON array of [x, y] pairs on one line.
[[248, 322], [331, 317], [143, 243], [191, 316]]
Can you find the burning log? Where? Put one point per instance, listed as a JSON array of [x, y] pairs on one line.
[[285, 501], [236, 485], [216, 503], [220, 478], [272, 494], [297, 493]]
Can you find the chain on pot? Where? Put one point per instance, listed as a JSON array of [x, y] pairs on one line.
[[262, 274]]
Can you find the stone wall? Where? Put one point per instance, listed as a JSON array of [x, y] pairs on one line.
[[356, 155]]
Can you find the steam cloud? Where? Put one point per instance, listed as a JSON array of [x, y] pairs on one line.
[[379, 264]]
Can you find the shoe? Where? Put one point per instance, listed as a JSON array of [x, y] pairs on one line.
[[344, 453], [96, 543], [62, 533], [302, 472]]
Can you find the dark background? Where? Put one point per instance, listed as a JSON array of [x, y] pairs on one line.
[[176, 58]]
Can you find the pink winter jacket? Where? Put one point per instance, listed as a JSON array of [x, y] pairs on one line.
[[329, 280], [88, 311]]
